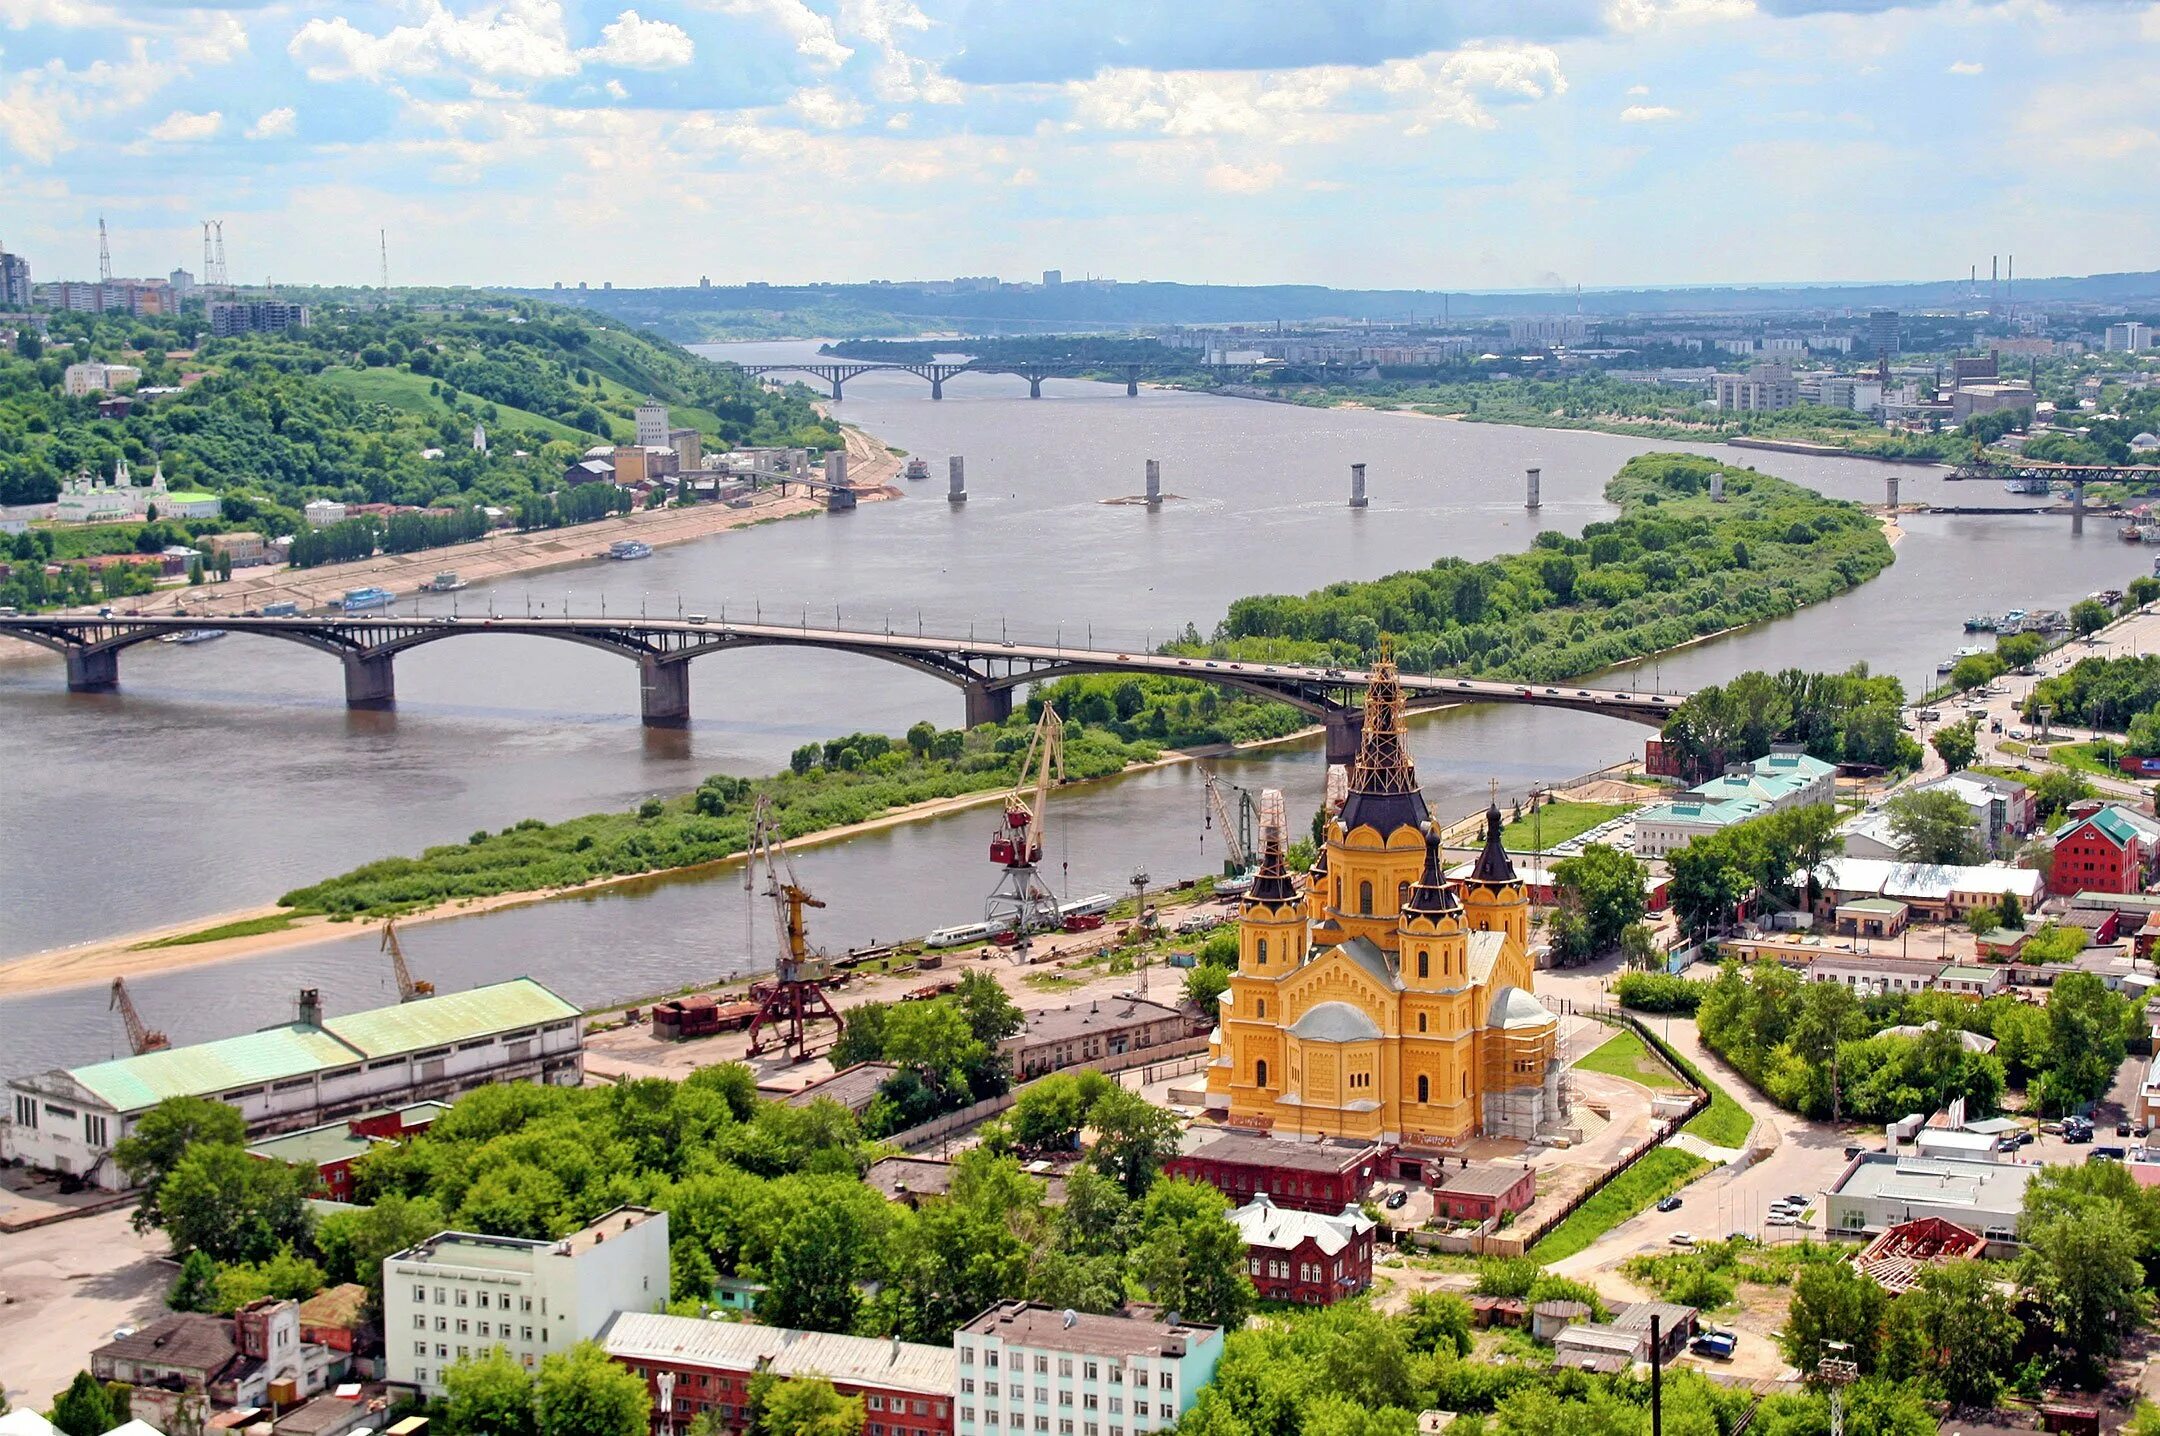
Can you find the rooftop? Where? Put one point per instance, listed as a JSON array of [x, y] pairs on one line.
[[1056, 1024], [1263, 1224], [1030, 1323], [1983, 1187], [185, 1341], [903, 1176], [1487, 1179], [736, 1346], [473, 1249], [1252, 1149], [852, 1087], [1888, 907]]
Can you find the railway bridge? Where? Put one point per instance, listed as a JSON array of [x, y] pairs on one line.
[[986, 670]]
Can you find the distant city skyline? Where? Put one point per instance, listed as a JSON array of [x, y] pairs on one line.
[[1472, 146]]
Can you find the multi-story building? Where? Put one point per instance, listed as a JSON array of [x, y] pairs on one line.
[[321, 513], [652, 425], [1883, 336], [255, 316], [1022, 1366], [694, 1367], [1984, 398], [1093, 1032], [94, 378], [1847, 391], [1762, 389], [1307, 1176], [2129, 338], [15, 286], [1547, 330], [458, 1294], [113, 296], [303, 1073], [2108, 850], [1311, 1258]]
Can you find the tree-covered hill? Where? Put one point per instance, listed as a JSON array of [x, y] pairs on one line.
[[347, 408]]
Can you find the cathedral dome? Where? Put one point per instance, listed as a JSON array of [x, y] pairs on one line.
[[1336, 1022], [1513, 1007]]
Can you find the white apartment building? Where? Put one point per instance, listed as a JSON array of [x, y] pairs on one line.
[[458, 1294], [1026, 1367], [1766, 387], [321, 513], [2130, 338], [652, 426], [94, 378]]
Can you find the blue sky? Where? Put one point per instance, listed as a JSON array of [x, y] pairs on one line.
[[1473, 144]]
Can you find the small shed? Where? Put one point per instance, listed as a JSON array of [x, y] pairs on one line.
[[1549, 1318], [1871, 917], [1676, 1324]]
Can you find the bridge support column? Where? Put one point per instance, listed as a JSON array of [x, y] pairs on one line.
[[1034, 386], [93, 671], [836, 390], [1345, 729], [1132, 383], [664, 692], [369, 681], [2077, 506], [937, 388], [988, 705]]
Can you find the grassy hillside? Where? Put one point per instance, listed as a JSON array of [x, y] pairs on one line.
[[409, 393]]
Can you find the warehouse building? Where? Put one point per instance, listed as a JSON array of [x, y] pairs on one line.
[[308, 1072]]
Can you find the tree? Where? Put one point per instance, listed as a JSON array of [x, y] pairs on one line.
[[195, 571], [807, 1406], [488, 1395], [1933, 826], [2011, 914], [2056, 790], [236, 1207], [1833, 1303], [2088, 616], [287, 1275], [85, 1408], [196, 1286], [1958, 744], [1438, 1321], [2085, 1040], [2082, 1263], [582, 1393], [1192, 1258], [1606, 886], [991, 1013], [353, 1244], [147, 1155], [224, 565], [1639, 947], [810, 1276], [1133, 1138], [690, 1271], [1967, 1327]]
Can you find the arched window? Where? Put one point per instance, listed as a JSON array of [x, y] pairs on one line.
[[1466, 1084], [1424, 1089], [1260, 1007], [1421, 1028], [1364, 898], [1424, 963], [1261, 952], [1259, 1073]]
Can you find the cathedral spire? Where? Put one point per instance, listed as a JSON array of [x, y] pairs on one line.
[[1433, 893], [1493, 864], [1272, 883], [1383, 784]]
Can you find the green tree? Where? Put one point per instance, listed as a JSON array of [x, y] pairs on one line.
[[1438, 1321], [2056, 790], [1133, 1138], [2011, 914], [2088, 616], [582, 1393], [1605, 885], [690, 1271], [1192, 1258], [1833, 1303], [195, 571], [2085, 1040], [85, 1408], [147, 1155], [353, 1244], [1933, 826], [1639, 947], [1958, 744], [816, 1253], [287, 1275], [1205, 984], [2081, 1262], [920, 736], [195, 1289], [1966, 1326], [490, 1394], [992, 1015], [807, 1406], [238, 1208]]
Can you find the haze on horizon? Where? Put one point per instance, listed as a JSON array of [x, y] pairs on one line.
[[1474, 145]]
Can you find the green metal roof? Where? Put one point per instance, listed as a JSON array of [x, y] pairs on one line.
[[453, 1017], [312, 1147], [209, 1068], [2111, 822]]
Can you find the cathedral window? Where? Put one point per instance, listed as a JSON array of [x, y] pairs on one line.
[[1402, 895], [1259, 1073], [1424, 1086], [1364, 898], [1466, 1084], [1424, 964], [1260, 950], [1260, 1007], [1421, 1017]]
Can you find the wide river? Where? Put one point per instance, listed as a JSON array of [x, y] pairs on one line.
[[223, 774]]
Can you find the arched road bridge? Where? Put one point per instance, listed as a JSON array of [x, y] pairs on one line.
[[837, 372], [986, 670]]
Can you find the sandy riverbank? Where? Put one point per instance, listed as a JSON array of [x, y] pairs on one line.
[[871, 466]]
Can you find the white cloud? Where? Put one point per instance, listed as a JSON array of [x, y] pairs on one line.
[[826, 108], [1248, 179], [636, 43], [1636, 15], [1966, 67], [617, 90], [40, 107], [181, 127], [274, 124], [812, 33], [1638, 89], [1647, 114]]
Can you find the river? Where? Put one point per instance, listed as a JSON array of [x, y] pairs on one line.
[[220, 775]]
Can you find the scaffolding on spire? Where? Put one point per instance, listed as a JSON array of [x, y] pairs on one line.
[[1383, 761]]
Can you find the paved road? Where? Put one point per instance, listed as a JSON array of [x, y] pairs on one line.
[[63, 1289]]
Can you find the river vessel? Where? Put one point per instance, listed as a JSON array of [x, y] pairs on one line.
[[629, 549], [445, 582], [918, 468], [193, 635], [359, 600]]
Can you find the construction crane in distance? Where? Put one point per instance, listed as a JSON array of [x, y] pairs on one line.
[[141, 1039], [407, 988], [795, 997], [1242, 853], [1021, 902]]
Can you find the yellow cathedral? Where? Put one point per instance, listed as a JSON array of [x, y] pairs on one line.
[[1386, 1001]]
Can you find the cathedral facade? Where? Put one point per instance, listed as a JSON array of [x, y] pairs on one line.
[[1385, 1001]]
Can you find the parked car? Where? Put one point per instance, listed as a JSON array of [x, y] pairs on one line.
[[1396, 1200], [1670, 1204], [1681, 1239]]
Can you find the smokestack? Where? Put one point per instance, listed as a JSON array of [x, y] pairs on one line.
[[1532, 499], [1357, 486], [956, 490], [1154, 483]]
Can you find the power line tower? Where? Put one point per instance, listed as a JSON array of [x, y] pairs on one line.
[[208, 260], [1837, 1370], [104, 254], [224, 275], [382, 239]]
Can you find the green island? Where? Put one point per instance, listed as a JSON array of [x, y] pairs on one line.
[[1676, 565], [349, 409]]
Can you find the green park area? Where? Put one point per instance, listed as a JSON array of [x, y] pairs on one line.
[[1555, 823]]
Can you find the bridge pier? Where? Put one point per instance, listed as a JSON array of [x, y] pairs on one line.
[[937, 387], [1034, 386], [1345, 730], [988, 705], [664, 692], [836, 383], [369, 681], [2077, 506], [93, 670], [1132, 382]]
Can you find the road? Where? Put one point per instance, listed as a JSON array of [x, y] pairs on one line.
[[63, 1289]]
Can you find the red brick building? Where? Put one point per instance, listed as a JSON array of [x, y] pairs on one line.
[[693, 1366], [1305, 1176], [2108, 850], [1310, 1258], [1474, 1194], [332, 1149]]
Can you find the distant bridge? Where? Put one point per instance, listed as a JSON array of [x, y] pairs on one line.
[[837, 372], [986, 670]]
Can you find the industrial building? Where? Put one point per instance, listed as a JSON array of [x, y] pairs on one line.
[[305, 1073], [1078, 1034], [1140, 1373], [458, 1293], [1877, 1191]]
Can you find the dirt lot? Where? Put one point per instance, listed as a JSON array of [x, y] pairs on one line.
[[63, 1288]]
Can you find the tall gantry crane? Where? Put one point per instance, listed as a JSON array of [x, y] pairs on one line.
[[1232, 808], [796, 997], [1021, 901], [141, 1039], [407, 988]]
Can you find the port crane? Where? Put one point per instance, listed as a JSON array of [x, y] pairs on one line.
[[141, 1039], [1231, 807], [1021, 902], [796, 996], [407, 988]]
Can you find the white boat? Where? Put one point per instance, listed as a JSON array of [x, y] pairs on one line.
[[193, 635], [964, 934], [445, 582], [1086, 906]]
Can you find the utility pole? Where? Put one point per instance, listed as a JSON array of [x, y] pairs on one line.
[[104, 254], [1657, 1378], [1838, 1371], [382, 239]]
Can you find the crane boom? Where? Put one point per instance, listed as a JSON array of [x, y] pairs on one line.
[[796, 996], [141, 1039], [407, 988], [1233, 835], [1020, 902]]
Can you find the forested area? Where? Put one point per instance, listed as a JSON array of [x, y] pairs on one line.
[[1849, 717]]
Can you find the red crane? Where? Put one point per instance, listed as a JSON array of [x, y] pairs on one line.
[[1021, 902], [796, 996], [141, 1039]]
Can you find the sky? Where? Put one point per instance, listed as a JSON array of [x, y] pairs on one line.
[[1436, 144]]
